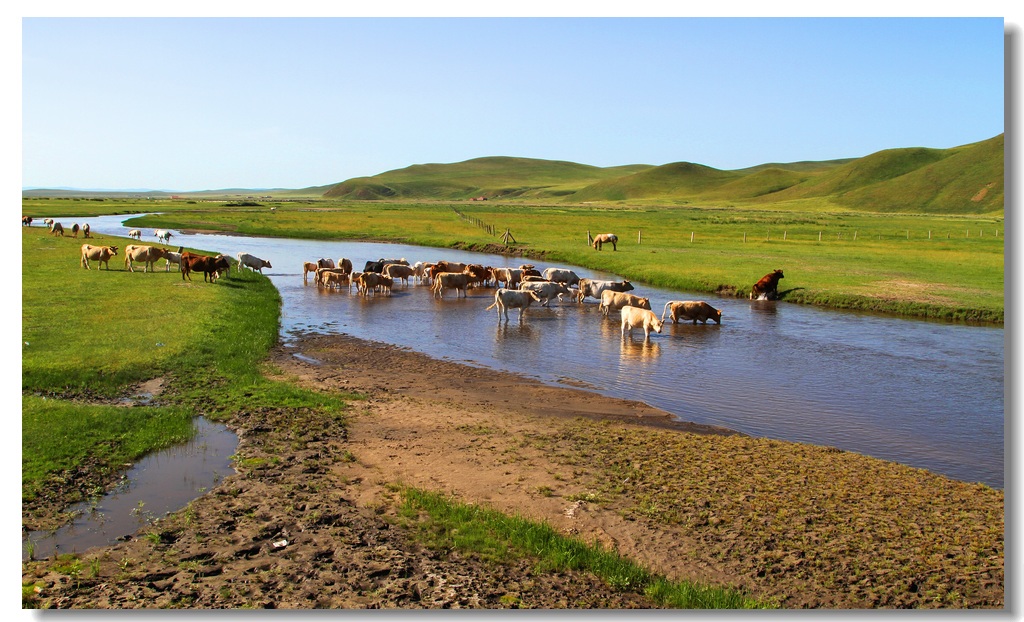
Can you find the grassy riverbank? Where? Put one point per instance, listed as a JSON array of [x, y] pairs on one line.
[[92, 339], [943, 267]]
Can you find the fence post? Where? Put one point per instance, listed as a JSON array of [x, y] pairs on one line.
[[691, 237], [784, 233], [854, 236], [819, 236], [639, 237], [744, 237]]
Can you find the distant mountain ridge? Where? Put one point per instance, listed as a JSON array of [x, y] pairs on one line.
[[968, 179]]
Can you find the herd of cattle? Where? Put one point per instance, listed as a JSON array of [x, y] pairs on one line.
[[186, 262], [519, 288]]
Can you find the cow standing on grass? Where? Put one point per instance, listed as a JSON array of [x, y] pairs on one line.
[[102, 254]]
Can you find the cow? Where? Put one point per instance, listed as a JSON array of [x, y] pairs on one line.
[[633, 317], [402, 261], [479, 274], [546, 290], [321, 275], [594, 289], [48, 222], [162, 235], [374, 266], [135, 233], [334, 279], [459, 281], [57, 229], [74, 230], [449, 266], [506, 299], [146, 254], [419, 270], [511, 277], [353, 280], [561, 275], [345, 264], [399, 271], [691, 310], [173, 258], [606, 238], [307, 267], [613, 301], [529, 269], [86, 230], [102, 254], [252, 262], [325, 263], [768, 287], [367, 282], [209, 266], [26, 221]]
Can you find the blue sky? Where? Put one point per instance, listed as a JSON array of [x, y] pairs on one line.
[[208, 103]]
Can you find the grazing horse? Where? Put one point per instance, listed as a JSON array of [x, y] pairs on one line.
[[606, 238], [768, 287]]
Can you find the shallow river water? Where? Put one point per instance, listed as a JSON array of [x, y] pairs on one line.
[[925, 394]]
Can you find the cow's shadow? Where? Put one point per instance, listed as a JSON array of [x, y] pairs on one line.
[[786, 292]]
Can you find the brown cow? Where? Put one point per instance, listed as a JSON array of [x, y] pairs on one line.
[[691, 310], [459, 281], [101, 254], [26, 221], [57, 229], [146, 254], [74, 230], [86, 230], [209, 266], [768, 287]]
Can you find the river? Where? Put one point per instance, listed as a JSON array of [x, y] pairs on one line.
[[925, 394]]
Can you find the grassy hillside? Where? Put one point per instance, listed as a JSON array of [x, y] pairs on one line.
[[490, 177]]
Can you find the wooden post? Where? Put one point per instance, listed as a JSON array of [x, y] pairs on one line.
[[639, 237], [744, 237], [854, 236], [590, 238], [819, 236], [691, 237], [784, 234], [768, 236]]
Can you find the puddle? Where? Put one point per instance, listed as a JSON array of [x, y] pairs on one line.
[[160, 483]]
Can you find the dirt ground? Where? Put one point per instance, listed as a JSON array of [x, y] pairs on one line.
[[309, 520]]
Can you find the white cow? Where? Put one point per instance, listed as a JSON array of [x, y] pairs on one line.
[[135, 233], [162, 235], [561, 275], [633, 317], [251, 261], [506, 299], [546, 290]]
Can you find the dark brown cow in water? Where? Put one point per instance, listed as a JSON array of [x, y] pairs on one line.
[[767, 288]]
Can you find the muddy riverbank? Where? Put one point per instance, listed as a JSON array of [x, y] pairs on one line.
[[800, 525]]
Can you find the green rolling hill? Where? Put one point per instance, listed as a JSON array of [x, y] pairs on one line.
[[966, 179]]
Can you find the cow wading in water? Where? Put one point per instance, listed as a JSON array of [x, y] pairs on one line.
[[767, 288]]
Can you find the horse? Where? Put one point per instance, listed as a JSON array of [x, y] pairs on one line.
[[606, 238]]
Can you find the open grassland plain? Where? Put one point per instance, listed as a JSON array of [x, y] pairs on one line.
[[429, 489], [948, 267]]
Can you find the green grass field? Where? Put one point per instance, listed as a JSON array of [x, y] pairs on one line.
[[933, 266], [96, 333]]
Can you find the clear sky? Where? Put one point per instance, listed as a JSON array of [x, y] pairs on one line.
[[210, 103]]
